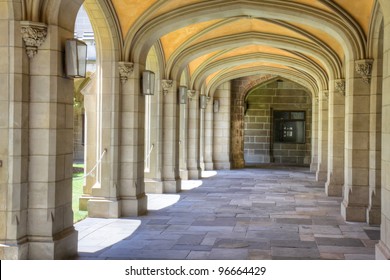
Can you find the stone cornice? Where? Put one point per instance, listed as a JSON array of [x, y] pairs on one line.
[[33, 35], [364, 68], [166, 85], [339, 86], [125, 70]]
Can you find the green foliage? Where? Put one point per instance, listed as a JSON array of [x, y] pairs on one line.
[[77, 192]]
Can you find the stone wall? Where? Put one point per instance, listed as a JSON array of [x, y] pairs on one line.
[[259, 146]]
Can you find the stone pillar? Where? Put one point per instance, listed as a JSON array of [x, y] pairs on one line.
[[356, 189], [374, 208], [194, 171], [202, 114], [383, 248], [222, 141], [322, 168], [154, 145], [335, 176], [237, 131], [90, 141], [171, 136], [50, 230], [14, 113], [119, 190], [208, 137], [183, 141], [314, 137]]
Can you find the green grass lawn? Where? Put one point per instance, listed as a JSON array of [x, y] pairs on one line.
[[77, 192]]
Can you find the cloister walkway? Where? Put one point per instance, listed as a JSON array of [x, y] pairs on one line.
[[253, 213]]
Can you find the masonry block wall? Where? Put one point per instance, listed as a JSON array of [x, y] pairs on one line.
[[259, 145]]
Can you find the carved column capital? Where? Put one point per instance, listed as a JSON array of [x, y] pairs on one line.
[[325, 94], [364, 68], [33, 35], [339, 86], [166, 85], [191, 94], [125, 70]]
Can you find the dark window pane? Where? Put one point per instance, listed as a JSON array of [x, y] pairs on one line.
[[297, 115], [290, 129]]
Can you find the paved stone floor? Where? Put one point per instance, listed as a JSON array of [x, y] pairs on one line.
[[268, 213]]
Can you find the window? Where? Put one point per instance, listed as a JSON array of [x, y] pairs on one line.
[[289, 127]]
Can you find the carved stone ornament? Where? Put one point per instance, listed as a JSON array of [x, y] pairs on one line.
[[166, 85], [125, 70], [191, 94], [364, 69], [325, 94], [33, 35], [339, 86]]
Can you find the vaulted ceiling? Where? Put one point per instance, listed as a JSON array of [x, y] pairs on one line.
[[208, 40]]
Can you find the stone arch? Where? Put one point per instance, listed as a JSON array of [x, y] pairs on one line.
[[293, 76], [328, 60], [313, 70], [346, 32]]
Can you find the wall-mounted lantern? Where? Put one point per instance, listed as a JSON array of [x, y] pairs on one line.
[[203, 102], [148, 82], [75, 58], [182, 95], [216, 106]]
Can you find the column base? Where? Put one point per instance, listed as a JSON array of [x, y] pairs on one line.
[[102, 208], [382, 252], [222, 165], [134, 206], [173, 186], [209, 166], [332, 189], [83, 203], [353, 213], [17, 250], [183, 174], [374, 216], [59, 247], [194, 174], [313, 167], [321, 176], [153, 186]]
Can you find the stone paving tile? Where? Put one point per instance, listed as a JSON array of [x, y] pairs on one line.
[[269, 213], [295, 253], [346, 242]]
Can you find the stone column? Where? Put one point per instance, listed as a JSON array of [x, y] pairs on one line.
[[314, 137], [120, 187], [202, 114], [374, 208], [208, 137], [50, 230], [183, 141], [222, 132], [90, 141], [382, 250], [194, 171], [154, 145], [237, 131], [322, 168], [14, 141], [357, 113], [335, 176], [171, 136]]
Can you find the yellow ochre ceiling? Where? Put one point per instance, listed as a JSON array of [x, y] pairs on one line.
[[263, 36]]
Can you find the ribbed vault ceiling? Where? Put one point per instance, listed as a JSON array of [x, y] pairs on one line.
[[212, 40]]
